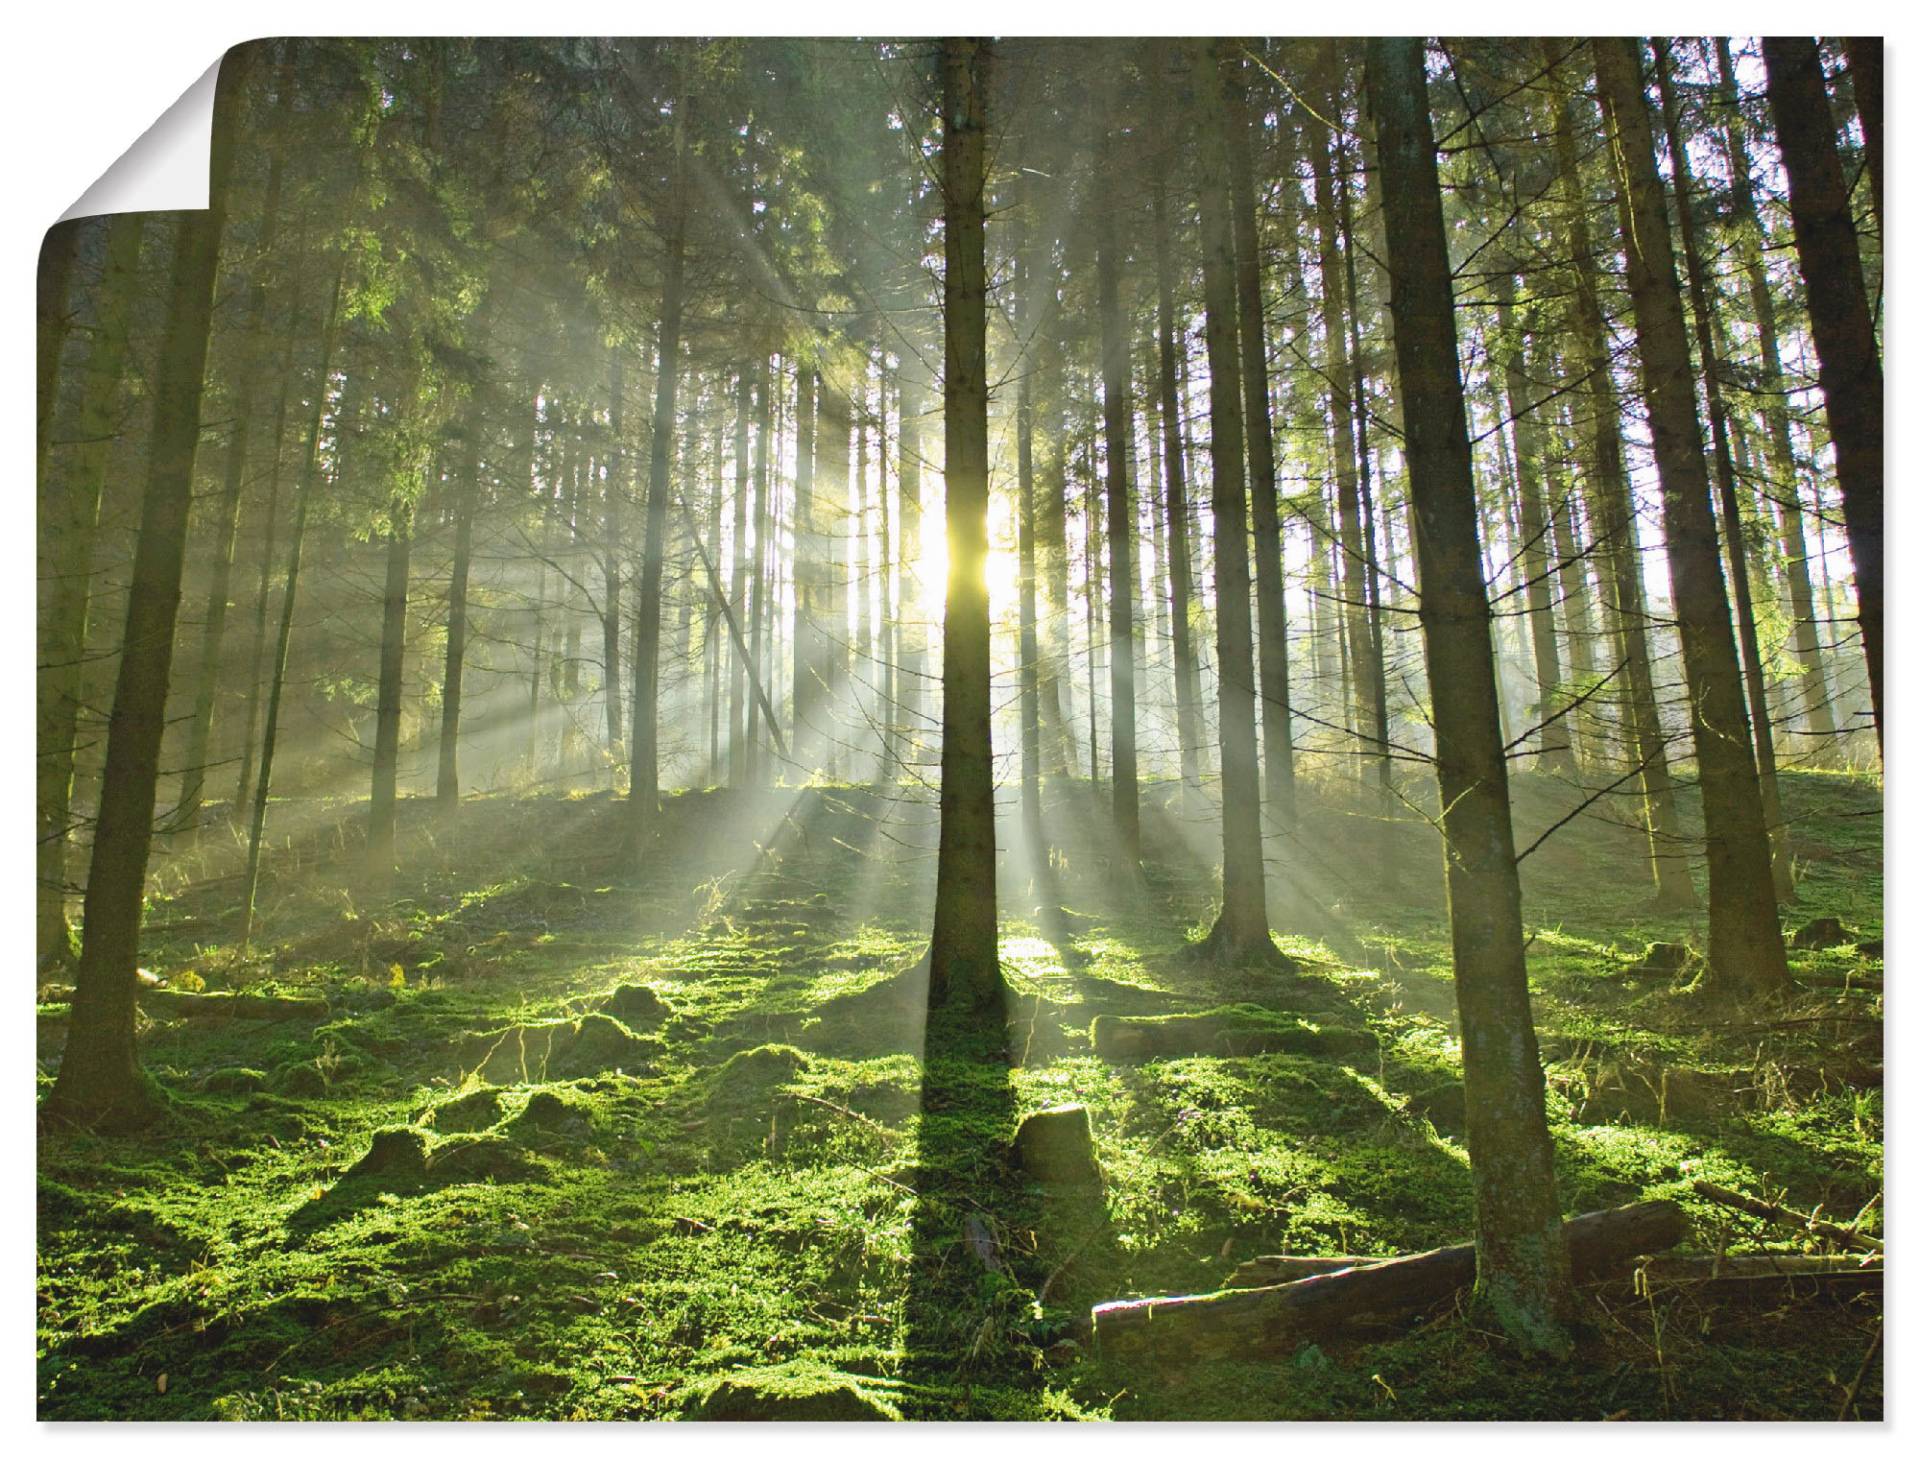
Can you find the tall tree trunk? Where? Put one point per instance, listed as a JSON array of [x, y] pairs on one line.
[[69, 522], [1522, 1269], [1843, 334], [100, 1082], [964, 959], [809, 651], [277, 677], [643, 794], [1866, 63], [1357, 640], [1116, 361], [610, 605], [1276, 707], [1727, 487], [1783, 486], [382, 805], [1522, 405], [1745, 951], [913, 632], [1186, 685], [1619, 542], [447, 781], [737, 752], [1029, 601], [832, 484], [1241, 930], [762, 559]]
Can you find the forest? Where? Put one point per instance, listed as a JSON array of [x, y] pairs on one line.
[[958, 728]]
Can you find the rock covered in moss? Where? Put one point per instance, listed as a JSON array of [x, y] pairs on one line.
[[480, 1109], [792, 1392], [299, 1080], [395, 1154], [1055, 1146], [636, 1005]]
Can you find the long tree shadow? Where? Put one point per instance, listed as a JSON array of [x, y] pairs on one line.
[[965, 1302]]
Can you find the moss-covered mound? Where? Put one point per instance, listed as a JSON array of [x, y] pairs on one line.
[[636, 1005], [534, 1052], [471, 1112], [792, 1392], [1233, 1031]]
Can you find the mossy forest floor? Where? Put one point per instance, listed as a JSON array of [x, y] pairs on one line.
[[768, 1189]]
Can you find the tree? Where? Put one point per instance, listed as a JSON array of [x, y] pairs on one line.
[[1843, 334], [1240, 932], [100, 1082], [1745, 951], [964, 959], [1522, 1269]]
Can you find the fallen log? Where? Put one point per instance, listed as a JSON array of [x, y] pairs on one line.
[[1781, 1215], [168, 1002], [1761, 1275], [1273, 1317], [1277, 1270]]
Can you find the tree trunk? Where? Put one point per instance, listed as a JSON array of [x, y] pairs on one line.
[[1866, 63], [1029, 602], [737, 752], [610, 605], [1783, 486], [1521, 1262], [100, 1082], [1364, 673], [964, 959], [1619, 543], [913, 632], [1241, 930], [447, 783], [382, 805], [809, 651], [1116, 363], [1843, 334], [1728, 488], [1555, 744], [276, 681], [1276, 708], [757, 570], [643, 794], [69, 522], [1186, 686], [1745, 951]]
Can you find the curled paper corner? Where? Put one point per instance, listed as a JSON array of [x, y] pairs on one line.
[[166, 168]]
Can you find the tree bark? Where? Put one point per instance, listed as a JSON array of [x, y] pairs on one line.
[[383, 803], [1241, 931], [1522, 1267], [964, 959], [1276, 708], [100, 1082], [1186, 679], [1556, 734], [1727, 487], [1783, 485], [69, 522], [1619, 543], [643, 794], [1843, 333], [1116, 363], [1745, 953], [610, 604], [447, 781]]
